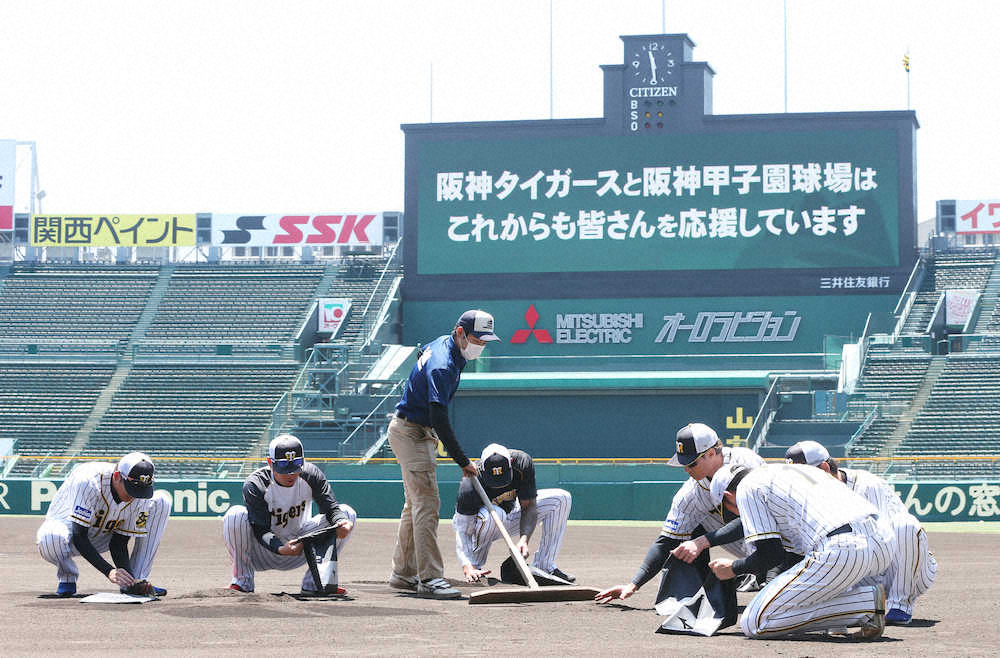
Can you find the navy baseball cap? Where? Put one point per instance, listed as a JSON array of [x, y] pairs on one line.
[[495, 466], [692, 440], [286, 454], [136, 469], [477, 323]]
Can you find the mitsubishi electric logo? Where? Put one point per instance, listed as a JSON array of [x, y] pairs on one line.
[[521, 335], [581, 328]]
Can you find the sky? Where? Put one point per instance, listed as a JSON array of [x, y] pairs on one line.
[[295, 107]]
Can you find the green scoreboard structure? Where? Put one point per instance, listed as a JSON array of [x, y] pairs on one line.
[[656, 265]]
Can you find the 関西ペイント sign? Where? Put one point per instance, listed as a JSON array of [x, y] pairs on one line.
[[167, 230]]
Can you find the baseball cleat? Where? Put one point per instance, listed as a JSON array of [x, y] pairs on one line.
[[896, 617], [328, 590], [237, 588], [559, 573], [873, 628], [66, 589], [437, 588], [403, 582]]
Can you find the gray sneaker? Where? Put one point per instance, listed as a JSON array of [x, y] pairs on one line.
[[437, 588], [403, 582]]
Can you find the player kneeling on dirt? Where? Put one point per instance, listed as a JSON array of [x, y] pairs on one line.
[[279, 497], [508, 476], [97, 509], [845, 543]]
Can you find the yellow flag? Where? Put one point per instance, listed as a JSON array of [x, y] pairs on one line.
[[906, 62]]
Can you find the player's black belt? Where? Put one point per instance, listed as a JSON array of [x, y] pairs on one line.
[[847, 527], [841, 530]]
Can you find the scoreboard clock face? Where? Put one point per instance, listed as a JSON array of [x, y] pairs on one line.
[[652, 82], [652, 63]]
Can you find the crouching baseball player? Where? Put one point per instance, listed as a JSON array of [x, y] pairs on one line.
[[508, 477], [692, 511], [278, 508], [97, 509], [844, 543], [913, 568]]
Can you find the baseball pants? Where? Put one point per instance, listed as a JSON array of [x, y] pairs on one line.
[[417, 552], [249, 556], [55, 542], [553, 513], [833, 587], [913, 571]]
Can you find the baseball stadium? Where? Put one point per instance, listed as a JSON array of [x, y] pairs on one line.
[[652, 270]]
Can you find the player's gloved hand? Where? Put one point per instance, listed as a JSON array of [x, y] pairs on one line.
[[723, 568], [120, 577], [689, 550], [293, 547], [472, 574], [616, 592], [469, 471], [344, 528]]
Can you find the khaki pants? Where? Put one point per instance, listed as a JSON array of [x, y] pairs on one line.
[[417, 552]]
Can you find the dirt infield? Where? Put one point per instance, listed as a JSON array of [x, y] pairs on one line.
[[957, 617]]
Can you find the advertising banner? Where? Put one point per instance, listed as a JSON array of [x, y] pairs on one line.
[[654, 326], [928, 501], [821, 199], [977, 216], [332, 314], [346, 230], [959, 305], [8, 163], [163, 230]]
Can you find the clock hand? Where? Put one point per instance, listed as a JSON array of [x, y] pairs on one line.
[[652, 67]]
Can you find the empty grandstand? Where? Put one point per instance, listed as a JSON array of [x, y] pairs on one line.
[[187, 362]]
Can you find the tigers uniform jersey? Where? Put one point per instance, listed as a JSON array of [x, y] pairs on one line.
[[282, 510], [875, 490], [797, 504], [85, 498], [692, 504]]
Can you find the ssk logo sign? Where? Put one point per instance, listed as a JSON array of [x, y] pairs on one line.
[[348, 230]]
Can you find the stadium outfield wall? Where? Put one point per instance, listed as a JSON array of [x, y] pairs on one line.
[[600, 492]]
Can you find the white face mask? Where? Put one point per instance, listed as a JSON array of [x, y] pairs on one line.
[[471, 351]]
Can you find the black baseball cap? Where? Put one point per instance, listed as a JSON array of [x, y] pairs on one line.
[[136, 469], [495, 466], [286, 454]]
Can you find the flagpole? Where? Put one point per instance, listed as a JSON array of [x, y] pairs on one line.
[[906, 67]]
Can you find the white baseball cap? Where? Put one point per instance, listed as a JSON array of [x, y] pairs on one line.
[[807, 452], [721, 480]]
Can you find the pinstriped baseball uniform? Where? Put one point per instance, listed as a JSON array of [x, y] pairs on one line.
[[914, 568], [692, 504], [86, 498], [284, 511], [475, 530], [833, 586]]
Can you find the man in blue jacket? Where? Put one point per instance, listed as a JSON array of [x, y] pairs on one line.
[[421, 419]]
